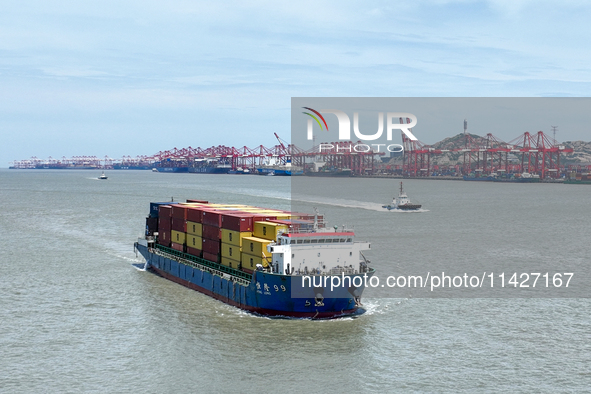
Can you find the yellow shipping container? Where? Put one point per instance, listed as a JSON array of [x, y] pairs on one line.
[[231, 251], [234, 237], [255, 246], [250, 261], [194, 241], [268, 230], [230, 262], [178, 237], [194, 228]]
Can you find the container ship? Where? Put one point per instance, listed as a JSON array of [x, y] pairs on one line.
[[273, 168], [268, 262], [525, 177], [206, 166], [579, 179], [170, 165]]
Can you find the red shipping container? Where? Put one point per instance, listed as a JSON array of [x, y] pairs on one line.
[[211, 257], [179, 211], [237, 221], [210, 246], [179, 225], [194, 252], [164, 238], [264, 218], [164, 211], [212, 218], [199, 201], [178, 247], [194, 214], [247, 270], [164, 224], [211, 232]]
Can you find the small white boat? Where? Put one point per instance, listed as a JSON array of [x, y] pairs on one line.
[[102, 176], [402, 202]]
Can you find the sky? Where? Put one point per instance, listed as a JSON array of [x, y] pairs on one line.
[[118, 78]]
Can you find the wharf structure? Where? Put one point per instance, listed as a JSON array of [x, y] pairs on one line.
[[480, 156]]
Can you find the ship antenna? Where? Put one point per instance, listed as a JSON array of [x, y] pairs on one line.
[[400, 187]]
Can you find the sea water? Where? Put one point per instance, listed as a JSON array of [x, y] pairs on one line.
[[77, 316]]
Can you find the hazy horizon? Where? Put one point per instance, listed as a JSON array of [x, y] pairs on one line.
[[135, 78]]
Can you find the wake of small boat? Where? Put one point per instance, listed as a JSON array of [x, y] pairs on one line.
[[370, 206]]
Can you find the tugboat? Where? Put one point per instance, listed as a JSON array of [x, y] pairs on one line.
[[402, 202], [102, 176]]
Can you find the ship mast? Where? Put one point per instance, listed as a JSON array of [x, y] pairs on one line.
[[315, 219]]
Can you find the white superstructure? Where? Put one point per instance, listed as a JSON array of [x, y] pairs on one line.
[[323, 252]]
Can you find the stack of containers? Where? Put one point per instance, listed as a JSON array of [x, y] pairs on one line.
[[194, 231], [269, 230], [235, 227], [233, 235], [151, 225], [211, 223], [152, 219], [179, 227], [254, 251], [164, 225]]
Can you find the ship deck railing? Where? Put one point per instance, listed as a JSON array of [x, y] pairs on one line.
[[309, 229], [237, 276]]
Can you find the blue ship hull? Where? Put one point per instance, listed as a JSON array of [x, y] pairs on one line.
[[495, 179], [481, 179], [172, 169], [280, 172], [210, 170], [125, 167], [265, 293]]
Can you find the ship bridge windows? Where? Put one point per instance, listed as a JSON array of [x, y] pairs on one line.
[[318, 241]]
